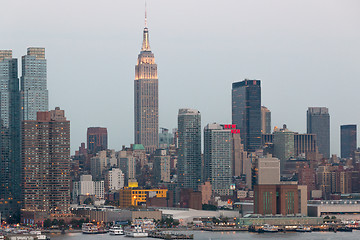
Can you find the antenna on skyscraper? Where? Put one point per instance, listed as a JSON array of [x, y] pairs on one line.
[[145, 15]]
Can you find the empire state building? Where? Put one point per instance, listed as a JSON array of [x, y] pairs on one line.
[[146, 107]]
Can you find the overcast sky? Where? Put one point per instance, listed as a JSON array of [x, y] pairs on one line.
[[305, 52]]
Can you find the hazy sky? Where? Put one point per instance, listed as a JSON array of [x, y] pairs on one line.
[[305, 52]]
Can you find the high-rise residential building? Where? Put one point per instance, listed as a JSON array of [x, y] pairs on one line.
[[318, 122], [114, 179], [146, 101], [46, 163], [10, 163], [34, 93], [97, 139], [161, 166], [246, 112], [218, 157], [348, 140], [189, 152], [283, 145], [265, 120]]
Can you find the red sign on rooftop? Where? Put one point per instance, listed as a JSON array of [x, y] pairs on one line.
[[230, 126]]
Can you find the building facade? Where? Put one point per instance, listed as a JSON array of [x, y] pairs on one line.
[[114, 179], [348, 140], [283, 145], [246, 112], [265, 120], [97, 139], [137, 196], [34, 93], [218, 157], [276, 199], [10, 163], [46, 163], [189, 152], [103, 160], [146, 100], [268, 170], [318, 122], [161, 166]]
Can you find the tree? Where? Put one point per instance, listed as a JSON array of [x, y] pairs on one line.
[[55, 222], [47, 223]]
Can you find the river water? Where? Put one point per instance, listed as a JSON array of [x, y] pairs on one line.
[[203, 235]]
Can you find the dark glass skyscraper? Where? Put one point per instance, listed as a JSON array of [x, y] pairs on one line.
[[189, 154], [246, 112], [10, 165], [318, 122], [348, 140]]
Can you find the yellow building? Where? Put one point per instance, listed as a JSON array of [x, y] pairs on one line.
[[135, 196]]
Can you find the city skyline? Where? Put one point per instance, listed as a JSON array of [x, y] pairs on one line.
[[311, 53]]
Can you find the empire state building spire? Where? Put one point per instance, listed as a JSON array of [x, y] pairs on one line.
[[146, 99], [146, 44]]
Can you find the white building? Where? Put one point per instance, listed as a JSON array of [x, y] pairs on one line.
[[218, 157], [99, 189], [114, 179], [87, 187]]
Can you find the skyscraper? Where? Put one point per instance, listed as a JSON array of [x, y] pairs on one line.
[[10, 165], [246, 112], [97, 139], [189, 154], [348, 140], [46, 163], [318, 122], [265, 120], [283, 145], [34, 93], [146, 102], [218, 157]]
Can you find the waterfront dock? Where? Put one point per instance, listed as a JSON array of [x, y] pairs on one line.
[[225, 229], [170, 235]]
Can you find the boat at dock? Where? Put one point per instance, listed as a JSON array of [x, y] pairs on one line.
[[303, 229], [270, 228], [116, 230], [90, 228], [135, 231]]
